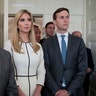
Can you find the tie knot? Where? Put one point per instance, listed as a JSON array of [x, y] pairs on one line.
[[62, 36]]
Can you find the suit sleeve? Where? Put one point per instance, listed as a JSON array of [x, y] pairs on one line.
[[82, 65], [50, 83], [11, 89], [90, 59]]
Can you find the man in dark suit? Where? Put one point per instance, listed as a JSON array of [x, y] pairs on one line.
[[90, 65], [64, 78], [7, 82]]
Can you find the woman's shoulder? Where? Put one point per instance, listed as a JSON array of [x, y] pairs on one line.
[[8, 41], [7, 44], [39, 45]]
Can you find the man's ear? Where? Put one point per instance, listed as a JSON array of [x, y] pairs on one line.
[[54, 22]]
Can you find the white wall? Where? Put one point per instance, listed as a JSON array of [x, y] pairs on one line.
[[1, 21], [47, 7], [91, 28], [5, 20]]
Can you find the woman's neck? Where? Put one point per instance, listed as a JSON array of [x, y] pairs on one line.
[[24, 37]]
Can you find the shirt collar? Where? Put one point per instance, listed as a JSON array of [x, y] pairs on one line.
[[59, 35]]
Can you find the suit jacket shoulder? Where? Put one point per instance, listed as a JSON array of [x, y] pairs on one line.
[[42, 40], [4, 53], [7, 81]]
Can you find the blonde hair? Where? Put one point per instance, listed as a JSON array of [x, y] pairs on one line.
[[16, 38]]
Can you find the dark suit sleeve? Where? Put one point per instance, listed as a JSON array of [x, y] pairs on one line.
[[82, 65], [90, 59], [11, 88], [49, 80]]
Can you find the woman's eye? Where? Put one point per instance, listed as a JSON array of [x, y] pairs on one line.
[[25, 19], [22, 19], [29, 19]]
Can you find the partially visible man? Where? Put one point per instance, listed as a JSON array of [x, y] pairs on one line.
[[37, 33], [90, 65], [49, 31], [7, 81]]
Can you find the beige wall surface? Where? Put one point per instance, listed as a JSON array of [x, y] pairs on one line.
[[91, 28], [1, 22], [47, 7]]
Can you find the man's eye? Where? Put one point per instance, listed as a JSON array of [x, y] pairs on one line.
[[62, 17], [67, 16]]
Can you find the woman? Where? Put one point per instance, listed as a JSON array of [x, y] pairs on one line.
[[37, 33], [27, 55]]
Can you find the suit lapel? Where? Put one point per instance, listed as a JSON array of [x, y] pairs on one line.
[[58, 52], [57, 48], [68, 49]]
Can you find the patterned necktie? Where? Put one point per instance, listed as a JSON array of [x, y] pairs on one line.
[[63, 46]]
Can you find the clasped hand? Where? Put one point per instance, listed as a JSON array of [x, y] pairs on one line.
[[62, 93]]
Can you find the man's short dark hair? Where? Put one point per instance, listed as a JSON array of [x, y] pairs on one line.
[[59, 10], [48, 24]]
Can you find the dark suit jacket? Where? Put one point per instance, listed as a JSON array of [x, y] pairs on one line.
[[7, 82], [42, 40], [73, 71]]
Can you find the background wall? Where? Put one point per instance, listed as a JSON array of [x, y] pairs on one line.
[[47, 7], [91, 28], [1, 21]]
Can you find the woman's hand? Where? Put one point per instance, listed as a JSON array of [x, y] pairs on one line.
[[37, 90], [20, 93]]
